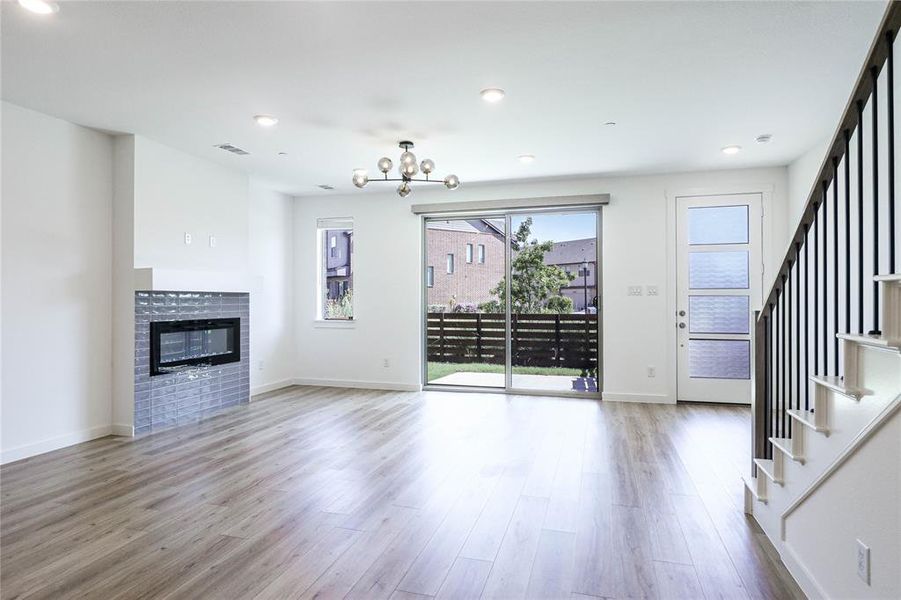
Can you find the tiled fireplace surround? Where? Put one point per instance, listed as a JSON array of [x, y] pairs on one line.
[[188, 395]]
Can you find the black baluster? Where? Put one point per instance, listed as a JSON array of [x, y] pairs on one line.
[[890, 102], [789, 354], [797, 327], [777, 394], [784, 395], [874, 113], [860, 216], [816, 289], [825, 329], [835, 264], [806, 319], [847, 233], [768, 327]]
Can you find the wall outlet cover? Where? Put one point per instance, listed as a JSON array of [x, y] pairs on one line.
[[212, 241], [634, 290], [187, 238], [652, 290]]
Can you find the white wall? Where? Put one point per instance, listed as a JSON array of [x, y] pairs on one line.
[[57, 273], [176, 193], [865, 492], [638, 331], [801, 174], [272, 296]]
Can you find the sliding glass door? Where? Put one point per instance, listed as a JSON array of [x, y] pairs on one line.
[[511, 302]]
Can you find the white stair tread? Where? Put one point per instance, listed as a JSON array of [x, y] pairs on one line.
[[751, 484], [836, 384], [768, 467], [888, 277], [876, 341], [785, 445], [806, 417]]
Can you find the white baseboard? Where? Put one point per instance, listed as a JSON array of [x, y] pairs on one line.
[[48, 445], [643, 398], [122, 429], [270, 387], [366, 385]]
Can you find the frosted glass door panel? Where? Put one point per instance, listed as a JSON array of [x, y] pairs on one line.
[[719, 314], [718, 225], [719, 359], [718, 270]]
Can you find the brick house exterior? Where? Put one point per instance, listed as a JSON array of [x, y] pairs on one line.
[[471, 281], [474, 273]]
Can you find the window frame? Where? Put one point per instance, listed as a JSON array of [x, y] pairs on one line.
[[469, 253], [327, 232], [430, 276], [451, 266], [481, 254]]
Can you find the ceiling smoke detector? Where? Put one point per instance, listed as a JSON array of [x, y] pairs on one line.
[[232, 149]]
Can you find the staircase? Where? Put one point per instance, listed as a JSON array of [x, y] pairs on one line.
[[827, 377]]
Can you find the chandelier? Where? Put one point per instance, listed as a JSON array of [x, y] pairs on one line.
[[408, 170]]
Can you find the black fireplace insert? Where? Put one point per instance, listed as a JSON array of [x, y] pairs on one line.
[[201, 342]]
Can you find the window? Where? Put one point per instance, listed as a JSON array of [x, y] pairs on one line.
[[482, 254], [469, 253], [430, 276], [335, 283], [450, 263]]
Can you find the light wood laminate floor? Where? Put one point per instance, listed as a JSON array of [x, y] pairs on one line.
[[334, 493]]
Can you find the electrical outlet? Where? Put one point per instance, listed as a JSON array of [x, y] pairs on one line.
[[652, 371], [863, 562], [187, 238], [635, 290], [386, 363], [259, 365], [212, 241], [652, 290]]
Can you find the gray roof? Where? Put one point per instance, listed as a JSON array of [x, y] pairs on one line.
[[572, 252]]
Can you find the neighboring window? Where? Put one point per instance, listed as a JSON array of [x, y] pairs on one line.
[[336, 269], [482, 254], [469, 253], [430, 276], [450, 263]]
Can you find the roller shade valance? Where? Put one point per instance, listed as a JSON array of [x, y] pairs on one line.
[[511, 204]]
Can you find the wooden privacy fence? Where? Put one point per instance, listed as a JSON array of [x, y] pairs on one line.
[[568, 341]]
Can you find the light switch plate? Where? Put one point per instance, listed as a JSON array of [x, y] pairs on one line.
[[863, 562], [212, 241], [652, 290], [634, 290]]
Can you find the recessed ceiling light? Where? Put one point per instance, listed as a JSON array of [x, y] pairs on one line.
[[526, 158], [731, 149], [325, 186], [283, 154], [764, 138], [265, 120], [492, 95], [40, 6], [610, 123]]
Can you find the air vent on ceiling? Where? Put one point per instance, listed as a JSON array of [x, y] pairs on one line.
[[232, 149], [325, 187]]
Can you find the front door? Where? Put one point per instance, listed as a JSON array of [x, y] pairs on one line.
[[719, 279]]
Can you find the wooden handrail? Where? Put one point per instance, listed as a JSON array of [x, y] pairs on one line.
[[888, 29]]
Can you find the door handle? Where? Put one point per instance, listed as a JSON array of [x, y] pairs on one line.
[[681, 313], [682, 325]]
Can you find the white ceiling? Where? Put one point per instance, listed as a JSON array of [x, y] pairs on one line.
[[347, 80]]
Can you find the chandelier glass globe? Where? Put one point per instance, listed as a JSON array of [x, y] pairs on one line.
[[409, 169], [404, 189], [407, 158], [452, 182], [360, 178], [385, 164], [427, 166]]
